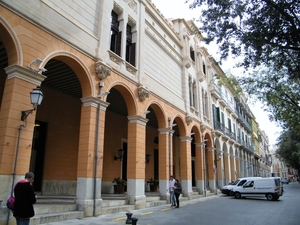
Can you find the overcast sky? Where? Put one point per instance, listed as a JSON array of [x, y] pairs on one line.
[[178, 9]]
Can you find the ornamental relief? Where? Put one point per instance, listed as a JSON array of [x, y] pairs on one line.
[[143, 92], [132, 4], [188, 119], [102, 70]]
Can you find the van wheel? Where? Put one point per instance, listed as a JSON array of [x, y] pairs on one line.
[[237, 195], [269, 197]]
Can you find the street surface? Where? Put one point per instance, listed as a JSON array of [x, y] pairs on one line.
[[213, 210]]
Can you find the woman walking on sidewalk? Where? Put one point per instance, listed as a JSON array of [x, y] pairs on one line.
[[177, 191]]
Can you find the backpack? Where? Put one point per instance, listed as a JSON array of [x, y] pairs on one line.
[[11, 203]]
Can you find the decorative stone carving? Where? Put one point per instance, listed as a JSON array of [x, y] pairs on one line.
[[102, 70], [187, 62], [143, 92], [188, 119], [132, 4], [213, 134], [202, 127]]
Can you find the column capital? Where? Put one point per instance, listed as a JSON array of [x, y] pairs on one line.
[[138, 119], [94, 102], [186, 138], [16, 71]]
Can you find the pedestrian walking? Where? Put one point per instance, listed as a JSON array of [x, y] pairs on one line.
[[177, 191], [171, 190], [24, 200]]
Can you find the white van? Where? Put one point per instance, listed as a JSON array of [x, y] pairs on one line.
[[267, 187], [239, 182]]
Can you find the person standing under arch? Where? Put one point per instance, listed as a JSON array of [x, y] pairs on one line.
[[24, 200]]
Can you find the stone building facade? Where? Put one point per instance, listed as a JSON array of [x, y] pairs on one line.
[[116, 75]]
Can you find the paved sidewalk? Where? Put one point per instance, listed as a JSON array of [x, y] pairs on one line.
[[120, 218]]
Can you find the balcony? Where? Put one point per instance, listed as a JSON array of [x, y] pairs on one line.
[[215, 91]]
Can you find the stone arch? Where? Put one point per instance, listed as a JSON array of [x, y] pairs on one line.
[[197, 133], [78, 66], [159, 112], [11, 43], [128, 96], [180, 125]]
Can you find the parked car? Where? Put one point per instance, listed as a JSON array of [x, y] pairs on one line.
[[227, 190], [267, 187], [285, 180]]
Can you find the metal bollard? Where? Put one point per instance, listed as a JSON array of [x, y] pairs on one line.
[[128, 221], [134, 220]]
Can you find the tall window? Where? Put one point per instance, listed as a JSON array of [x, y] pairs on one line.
[[130, 47], [192, 92], [192, 54], [115, 34], [229, 124], [205, 103]]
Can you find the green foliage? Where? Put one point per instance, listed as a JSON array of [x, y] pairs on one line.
[[261, 31], [152, 181], [289, 149], [119, 181], [278, 93], [265, 34]]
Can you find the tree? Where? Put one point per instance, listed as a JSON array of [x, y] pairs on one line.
[[265, 33], [289, 149]]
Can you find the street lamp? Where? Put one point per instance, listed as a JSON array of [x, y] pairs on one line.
[[36, 98]]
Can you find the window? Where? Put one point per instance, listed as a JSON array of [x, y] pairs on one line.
[[205, 103], [192, 54], [229, 124], [115, 34], [192, 92], [204, 70], [130, 47]]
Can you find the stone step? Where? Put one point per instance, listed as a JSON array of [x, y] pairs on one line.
[[155, 203], [54, 208], [44, 199], [116, 209], [111, 203], [152, 198], [55, 217]]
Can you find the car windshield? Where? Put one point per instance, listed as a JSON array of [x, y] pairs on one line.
[[235, 182]]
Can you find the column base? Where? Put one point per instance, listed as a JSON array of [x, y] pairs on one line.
[[138, 201], [87, 206]]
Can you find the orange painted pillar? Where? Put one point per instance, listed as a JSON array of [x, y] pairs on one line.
[[163, 151], [211, 168], [237, 163], [227, 168], [16, 98], [199, 162], [186, 166], [232, 168], [89, 182], [136, 161]]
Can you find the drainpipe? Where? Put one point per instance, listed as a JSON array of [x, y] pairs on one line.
[[15, 167], [101, 84]]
